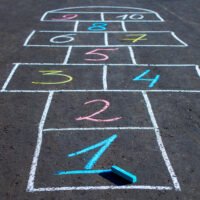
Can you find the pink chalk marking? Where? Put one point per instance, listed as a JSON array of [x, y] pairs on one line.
[[67, 17], [105, 107], [104, 56]]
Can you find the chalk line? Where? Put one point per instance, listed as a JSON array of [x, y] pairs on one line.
[[76, 26], [67, 55], [123, 26], [106, 39], [34, 164], [132, 187], [104, 78], [98, 128], [28, 38], [9, 77], [160, 143], [132, 55]]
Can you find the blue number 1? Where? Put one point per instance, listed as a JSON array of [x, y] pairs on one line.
[[103, 145]]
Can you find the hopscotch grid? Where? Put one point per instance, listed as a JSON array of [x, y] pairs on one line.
[[30, 185], [160, 143]]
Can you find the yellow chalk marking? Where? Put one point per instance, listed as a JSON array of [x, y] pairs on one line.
[[54, 73], [138, 37]]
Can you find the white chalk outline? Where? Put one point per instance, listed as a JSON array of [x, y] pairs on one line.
[[30, 185], [106, 39], [104, 78], [141, 11], [133, 187], [161, 144], [67, 55], [76, 26], [97, 128], [174, 36], [132, 55], [123, 24]]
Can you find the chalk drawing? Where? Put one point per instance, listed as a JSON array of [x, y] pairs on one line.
[[54, 73], [103, 56], [133, 16], [153, 81], [122, 15], [100, 26], [103, 146], [136, 37], [67, 17], [62, 38], [105, 107]]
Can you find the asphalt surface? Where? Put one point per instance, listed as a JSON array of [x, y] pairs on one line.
[[39, 130]]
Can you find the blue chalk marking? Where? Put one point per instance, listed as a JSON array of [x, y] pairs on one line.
[[105, 144], [124, 174], [153, 81], [74, 172], [99, 26]]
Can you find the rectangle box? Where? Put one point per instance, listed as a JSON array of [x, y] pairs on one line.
[[101, 16], [56, 77], [136, 151], [103, 38]]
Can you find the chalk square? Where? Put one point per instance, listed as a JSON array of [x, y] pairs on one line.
[[127, 110], [147, 38], [136, 151], [110, 26], [132, 17], [64, 39], [172, 77], [34, 77], [72, 16], [90, 55]]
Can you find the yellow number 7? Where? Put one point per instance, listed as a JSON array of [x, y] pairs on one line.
[[54, 73], [136, 37]]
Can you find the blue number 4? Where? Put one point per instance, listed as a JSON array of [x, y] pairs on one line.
[[152, 81]]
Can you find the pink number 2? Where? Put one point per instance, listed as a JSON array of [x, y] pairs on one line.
[[105, 107], [103, 56]]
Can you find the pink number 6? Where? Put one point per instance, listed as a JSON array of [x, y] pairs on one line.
[[103, 56], [105, 107]]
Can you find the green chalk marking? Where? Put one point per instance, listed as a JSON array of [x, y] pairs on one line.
[[124, 174]]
